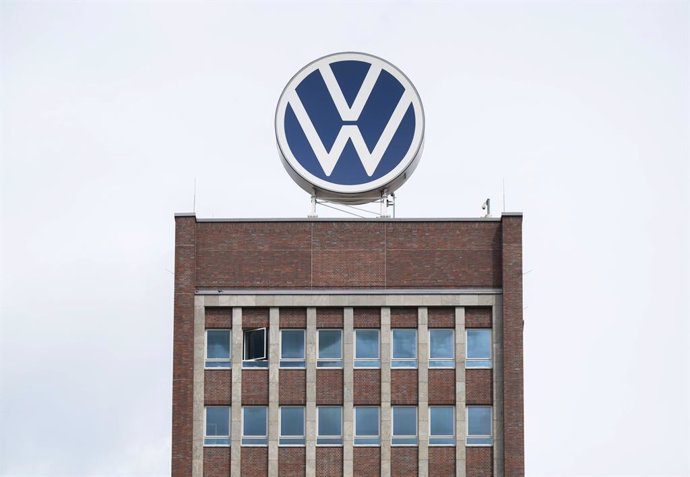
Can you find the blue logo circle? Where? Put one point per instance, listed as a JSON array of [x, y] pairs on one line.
[[350, 126]]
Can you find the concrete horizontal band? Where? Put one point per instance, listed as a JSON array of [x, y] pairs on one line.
[[349, 291]]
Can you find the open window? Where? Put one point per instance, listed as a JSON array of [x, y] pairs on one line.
[[255, 354]]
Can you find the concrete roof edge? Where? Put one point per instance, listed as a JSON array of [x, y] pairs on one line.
[[345, 219]]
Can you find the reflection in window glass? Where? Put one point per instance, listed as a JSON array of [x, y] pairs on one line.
[[367, 426], [404, 348], [479, 425], [254, 424], [292, 425], [292, 348], [367, 349], [442, 425], [330, 344], [441, 348], [218, 349], [404, 425], [217, 429], [329, 425], [478, 348]]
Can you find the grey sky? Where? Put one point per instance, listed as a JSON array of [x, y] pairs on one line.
[[109, 110]]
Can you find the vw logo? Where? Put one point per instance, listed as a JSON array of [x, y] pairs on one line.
[[350, 127]]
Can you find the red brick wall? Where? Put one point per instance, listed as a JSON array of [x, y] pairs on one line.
[[441, 386], [218, 317], [218, 387], [404, 317], [291, 461], [366, 461], [442, 462], [329, 461], [216, 461], [254, 461], [441, 317], [329, 387], [329, 317], [478, 317], [292, 387], [367, 318], [404, 387], [404, 461], [480, 462], [367, 387], [293, 318], [255, 387], [479, 386], [254, 318]]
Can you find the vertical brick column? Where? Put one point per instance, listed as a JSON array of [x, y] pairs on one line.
[[348, 389], [513, 405], [311, 394], [423, 390], [236, 409], [183, 345], [386, 392], [460, 411], [273, 390]]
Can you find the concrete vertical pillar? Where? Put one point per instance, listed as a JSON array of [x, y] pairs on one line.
[[460, 424], [348, 391], [198, 399], [385, 392], [311, 394], [423, 405], [236, 410], [497, 358], [273, 390]]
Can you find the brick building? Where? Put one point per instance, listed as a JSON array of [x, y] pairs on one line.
[[326, 347]]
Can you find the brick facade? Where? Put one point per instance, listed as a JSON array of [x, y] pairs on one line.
[[393, 254]]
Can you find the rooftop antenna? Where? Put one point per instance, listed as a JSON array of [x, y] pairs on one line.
[[487, 206]]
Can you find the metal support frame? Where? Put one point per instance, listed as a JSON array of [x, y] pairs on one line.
[[386, 207]]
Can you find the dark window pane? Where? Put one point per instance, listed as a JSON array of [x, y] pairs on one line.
[[254, 341], [218, 344]]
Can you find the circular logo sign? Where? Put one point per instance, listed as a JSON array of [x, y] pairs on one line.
[[350, 127]]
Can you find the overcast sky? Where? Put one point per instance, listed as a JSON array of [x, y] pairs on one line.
[[110, 110]]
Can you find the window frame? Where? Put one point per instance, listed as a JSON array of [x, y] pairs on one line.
[[354, 428], [481, 363], [218, 437], [443, 363], [217, 360], [303, 437], [242, 437], [360, 363], [329, 436], [254, 363], [301, 361], [468, 437], [405, 436], [338, 362], [449, 437], [402, 363]]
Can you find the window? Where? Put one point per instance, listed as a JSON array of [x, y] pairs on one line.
[[329, 425], [478, 348], [479, 426], [254, 426], [404, 426], [292, 348], [255, 349], [404, 348], [441, 348], [218, 349], [291, 426], [367, 349], [442, 425], [367, 425], [217, 426], [330, 346]]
